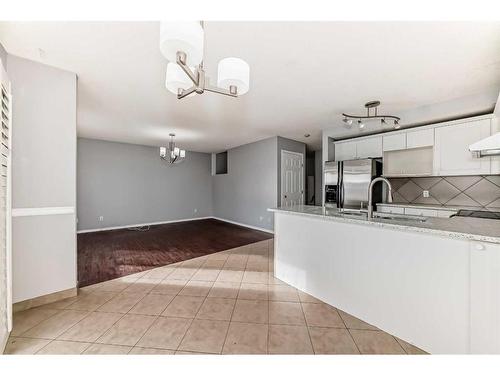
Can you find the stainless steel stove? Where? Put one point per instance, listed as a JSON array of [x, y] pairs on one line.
[[479, 214]]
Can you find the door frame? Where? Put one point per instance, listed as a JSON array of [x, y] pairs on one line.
[[282, 176]]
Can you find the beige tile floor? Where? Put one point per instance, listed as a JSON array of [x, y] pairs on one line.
[[223, 303]]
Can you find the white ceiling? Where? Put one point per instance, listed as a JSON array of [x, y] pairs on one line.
[[303, 75]]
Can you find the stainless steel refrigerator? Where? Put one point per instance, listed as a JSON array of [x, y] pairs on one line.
[[347, 182]]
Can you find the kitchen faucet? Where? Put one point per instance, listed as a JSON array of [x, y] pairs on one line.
[[370, 194]]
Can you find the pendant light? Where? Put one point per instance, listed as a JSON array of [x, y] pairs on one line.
[[182, 43]]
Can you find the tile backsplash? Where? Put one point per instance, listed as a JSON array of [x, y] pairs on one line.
[[470, 191]]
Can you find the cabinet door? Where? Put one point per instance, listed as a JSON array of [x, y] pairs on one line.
[[395, 142], [495, 160], [451, 149], [484, 298], [345, 151], [369, 148], [420, 138], [391, 210], [421, 212]]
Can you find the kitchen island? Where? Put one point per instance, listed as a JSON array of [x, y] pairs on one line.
[[433, 283]]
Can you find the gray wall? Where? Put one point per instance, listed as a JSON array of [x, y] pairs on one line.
[[43, 175], [318, 178], [294, 146], [310, 173], [249, 188], [129, 184]]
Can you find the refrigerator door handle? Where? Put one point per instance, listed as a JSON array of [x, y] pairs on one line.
[[340, 185]]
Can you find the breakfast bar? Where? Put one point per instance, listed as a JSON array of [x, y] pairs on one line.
[[434, 282]]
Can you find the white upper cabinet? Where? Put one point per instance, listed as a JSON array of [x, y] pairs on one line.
[[395, 142], [451, 149], [369, 148], [420, 138], [345, 151], [359, 149], [495, 160], [438, 149], [409, 139]]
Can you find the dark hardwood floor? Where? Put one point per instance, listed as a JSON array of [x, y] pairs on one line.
[[110, 254]]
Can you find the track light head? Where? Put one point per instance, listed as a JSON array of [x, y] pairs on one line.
[[396, 124], [347, 121], [361, 124], [383, 122]]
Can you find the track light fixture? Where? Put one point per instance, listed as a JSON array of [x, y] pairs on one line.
[[373, 104]]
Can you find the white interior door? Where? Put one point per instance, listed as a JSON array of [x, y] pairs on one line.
[[292, 178]]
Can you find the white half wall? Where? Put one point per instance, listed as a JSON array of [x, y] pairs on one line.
[[43, 177]]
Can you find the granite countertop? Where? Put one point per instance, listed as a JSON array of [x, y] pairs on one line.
[[430, 206], [486, 230]]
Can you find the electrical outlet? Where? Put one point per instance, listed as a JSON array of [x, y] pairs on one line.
[[101, 218], [195, 210], [425, 193]]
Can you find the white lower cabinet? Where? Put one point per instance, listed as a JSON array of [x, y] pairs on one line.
[[415, 211], [485, 298], [391, 210], [421, 212]]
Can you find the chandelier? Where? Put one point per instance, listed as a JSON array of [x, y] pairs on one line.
[[182, 44], [172, 154], [348, 119]]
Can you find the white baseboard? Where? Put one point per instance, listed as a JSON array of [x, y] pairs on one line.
[[142, 224], [244, 225], [175, 221]]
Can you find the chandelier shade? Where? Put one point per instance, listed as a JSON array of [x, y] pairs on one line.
[[233, 71], [176, 78], [183, 36]]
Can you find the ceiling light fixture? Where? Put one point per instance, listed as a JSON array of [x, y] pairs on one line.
[[182, 43], [373, 104], [347, 121], [172, 154]]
